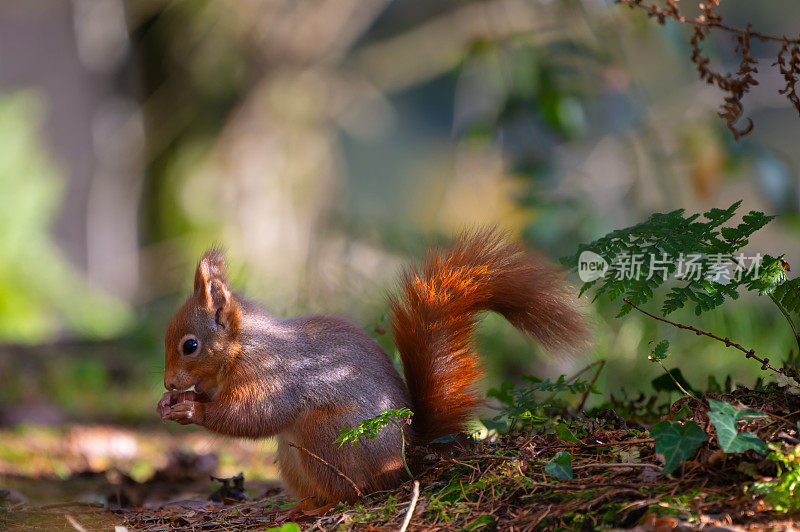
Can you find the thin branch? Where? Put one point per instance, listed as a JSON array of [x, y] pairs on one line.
[[489, 457], [601, 363], [624, 464], [74, 522], [410, 512], [583, 487], [626, 442], [331, 467], [748, 353], [589, 388]]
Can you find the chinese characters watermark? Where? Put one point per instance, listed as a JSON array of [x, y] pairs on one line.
[[718, 267]]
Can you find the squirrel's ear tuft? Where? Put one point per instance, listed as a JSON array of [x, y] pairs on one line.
[[211, 266], [212, 289]]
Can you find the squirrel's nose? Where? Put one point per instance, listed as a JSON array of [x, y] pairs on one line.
[[169, 385]]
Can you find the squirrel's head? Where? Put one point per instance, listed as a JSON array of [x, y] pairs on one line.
[[202, 338]]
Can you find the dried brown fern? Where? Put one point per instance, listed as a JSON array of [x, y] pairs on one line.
[[735, 85]]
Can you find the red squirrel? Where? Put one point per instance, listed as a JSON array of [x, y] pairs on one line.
[[302, 379]]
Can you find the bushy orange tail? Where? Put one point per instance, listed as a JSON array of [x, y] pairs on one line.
[[433, 320]]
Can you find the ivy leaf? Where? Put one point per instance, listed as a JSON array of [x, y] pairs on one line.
[[724, 417], [677, 442], [563, 433], [446, 439], [560, 466], [730, 410], [731, 442]]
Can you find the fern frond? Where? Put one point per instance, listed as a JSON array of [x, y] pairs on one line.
[[644, 257]]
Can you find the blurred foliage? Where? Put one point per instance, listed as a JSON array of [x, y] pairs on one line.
[[38, 288], [324, 148]]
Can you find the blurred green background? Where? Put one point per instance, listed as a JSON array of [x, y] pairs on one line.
[[324, 143]]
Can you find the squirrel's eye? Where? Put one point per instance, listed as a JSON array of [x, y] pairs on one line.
[[190, 345]]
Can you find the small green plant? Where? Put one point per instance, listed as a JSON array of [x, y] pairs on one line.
[[783, 493], [369, 428], [525, 407], [658, 354]]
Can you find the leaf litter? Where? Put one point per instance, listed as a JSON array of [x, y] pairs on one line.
[[616, 480]]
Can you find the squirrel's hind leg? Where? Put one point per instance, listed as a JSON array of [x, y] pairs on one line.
[[370, 464], [292, 471], [307, 477]]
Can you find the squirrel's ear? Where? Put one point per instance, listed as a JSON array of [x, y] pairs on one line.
[[213, 291], [211, 266]]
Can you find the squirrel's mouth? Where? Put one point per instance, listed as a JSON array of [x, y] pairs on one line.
[[192, 393], [199, 393]]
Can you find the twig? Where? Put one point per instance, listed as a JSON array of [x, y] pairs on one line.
[[626, 442], [609, 444], [626, 464], [748, 353], [332, 468], [68, 504], [453, 460], [489, 456], [584, 370], [410, 511], [589, 388], [74, 522], [580, 486], [571, 379]]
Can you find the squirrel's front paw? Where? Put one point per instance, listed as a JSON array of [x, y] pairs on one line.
[[171, 399], [165, 404], [186, 412]]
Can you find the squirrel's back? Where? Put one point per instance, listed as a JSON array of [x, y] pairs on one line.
[[434, 316]]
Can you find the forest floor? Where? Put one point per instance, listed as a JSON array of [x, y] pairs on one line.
[[96, 478]]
